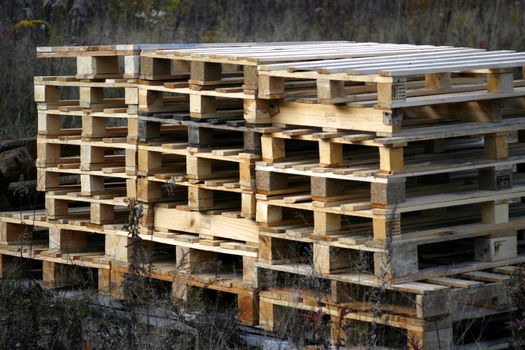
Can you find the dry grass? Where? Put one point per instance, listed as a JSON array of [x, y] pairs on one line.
[[26, 25]]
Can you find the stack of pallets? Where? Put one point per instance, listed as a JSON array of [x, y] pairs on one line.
[[373, 188], [84, 124], [415, 188]]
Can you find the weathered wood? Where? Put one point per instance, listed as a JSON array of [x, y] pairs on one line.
[[389, 193], [154, 68], [270, 181]]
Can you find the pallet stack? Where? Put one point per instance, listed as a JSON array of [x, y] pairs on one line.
[[415, 190], [376, 187]]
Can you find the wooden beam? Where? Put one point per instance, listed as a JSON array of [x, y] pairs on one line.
[[46, 180], [337, 117], [149, 161], [495, 212], [248, 205], [154, 68], [91, 157], [391, 160], [202, 106], [102, 213], [386, 226], [500, 82], [390, 92], [437, 81], [330, 154], [91, 97], [496, 146], [496, 247], [148, 191], [273, 148], [270, 87], [330, 90], [388, 193], [395, 264], [197, 167], [268, 215], [93, 127], [205, 72], [200, 199], [257, 111], [326, 223], [46, 93], [91, 185], [48, 123], [90, 67]]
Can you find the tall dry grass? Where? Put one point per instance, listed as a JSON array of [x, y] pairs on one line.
[[25, 24]]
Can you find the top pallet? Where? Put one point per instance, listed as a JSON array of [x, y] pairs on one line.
[[263, 53], [396, 74], [113, 50], [363, 86], [100, 61], [252, 55], [371, 87]]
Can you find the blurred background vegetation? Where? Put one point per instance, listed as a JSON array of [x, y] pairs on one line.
[[26, 24]]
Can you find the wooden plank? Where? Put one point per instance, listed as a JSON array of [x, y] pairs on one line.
[[486, 276], [340, 117], [454, 282], [213, 225]]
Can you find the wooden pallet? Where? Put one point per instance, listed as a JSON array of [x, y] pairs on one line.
[[423, 315], [185, 261], [226, 233], [362, 199], [57, 242], [227, 76], [87, 126], [97, 62], [401, 192], [201, 173], [101, 62], [342, 149], [189, 261], [100, 209], [157, 63], [388, 89], [209, 62], [50, 94], [72, 153], [398, 244], [352, 255], [159, 99], [57, 270], [185, 288], [420, 309], [91, 182], [203, 134]]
